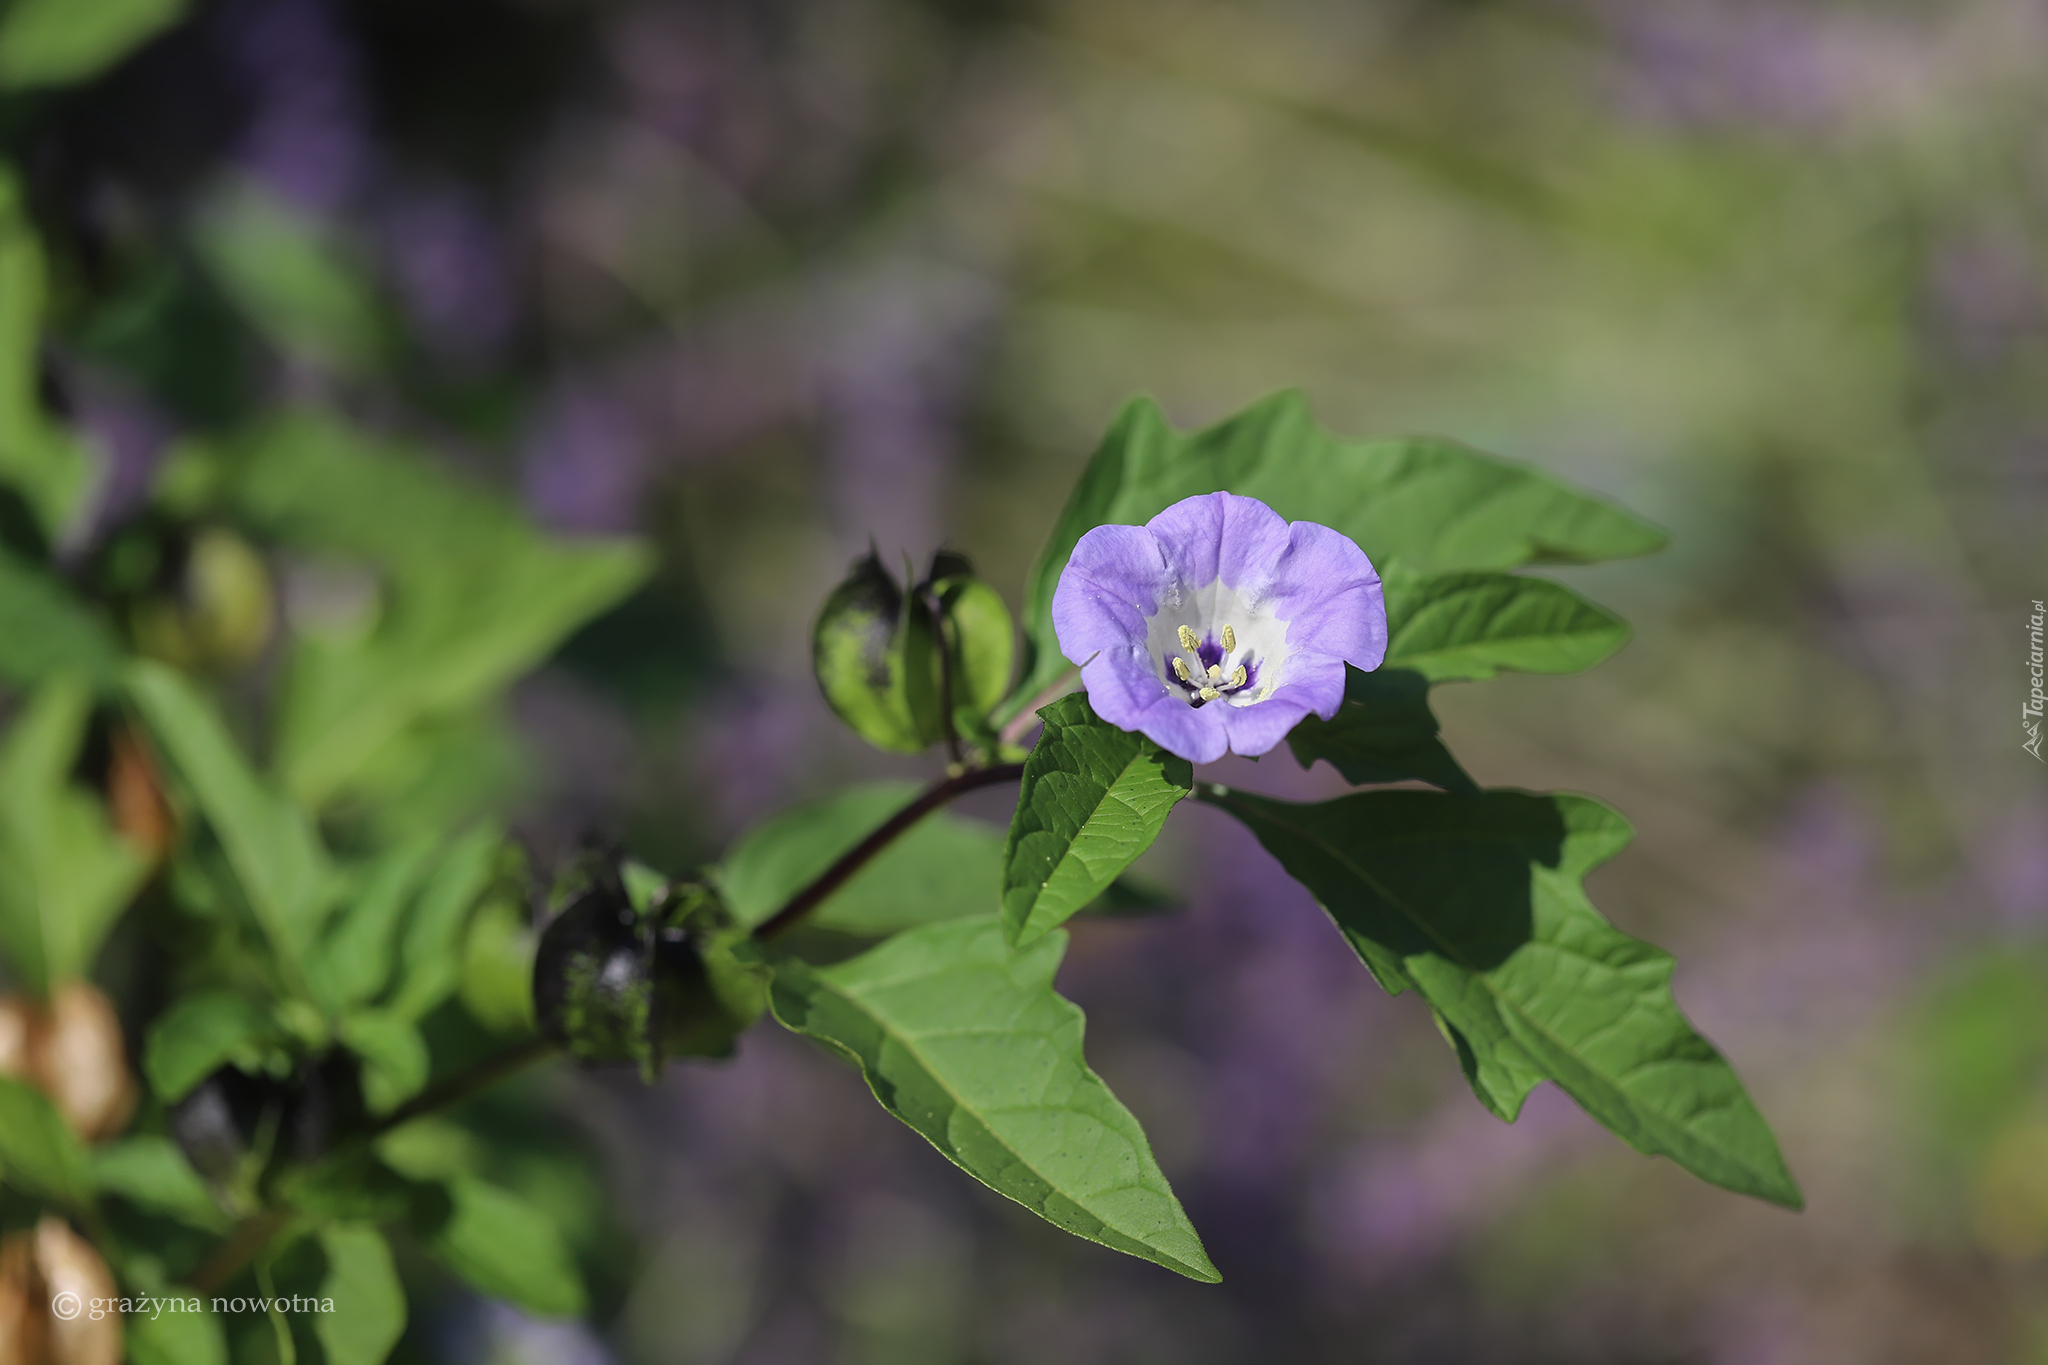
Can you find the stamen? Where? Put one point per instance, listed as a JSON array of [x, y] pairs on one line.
[[1215, 672], [1237, 678], [1180, 668], [1187, 638], [1209, 694], [1229, 639]]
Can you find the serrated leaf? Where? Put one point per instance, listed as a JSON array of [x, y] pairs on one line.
[[506, 1248], [395, 1060], [58, 42], [1479, 903], [199, 1034], [38, 1153], [1451, 627], [1384, 732], [1094, 797], [1416, 504], [946, 867], [154, 1173], [65, 874], [967, 1043], [369, 1301], [276, 856], [430, 956], [180, 1336], [45, 632]]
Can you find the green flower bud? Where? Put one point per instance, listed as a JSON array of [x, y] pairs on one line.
[[211, 607], [637, 969], [875, 658], [980, 643]]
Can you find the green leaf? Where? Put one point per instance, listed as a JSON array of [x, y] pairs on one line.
[[506, 1248], [353, 962], [497, 967], [46, 632], [966, 1042], [272, 846], [65, 874], [177, 1336], [50, 467], [60, 42], [1451, 627], [355, 1186], [1414, 504], [1384, 732], [1477, 902], [472, 594], [199, 1034], [430, 957], [38, 1153], [395, 1060], [369, 1301], [153, 1172], [946, 867], [291, 278], [873, 652], [1094, 798]]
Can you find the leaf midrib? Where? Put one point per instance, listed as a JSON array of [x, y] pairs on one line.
[[1067, 852], [924, 1062]]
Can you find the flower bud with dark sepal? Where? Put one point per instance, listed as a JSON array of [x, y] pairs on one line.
[[239, 1129], [980, 643], [874, 653], [638, 969]]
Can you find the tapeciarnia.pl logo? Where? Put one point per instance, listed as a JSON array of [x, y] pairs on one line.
[[2030, 711]]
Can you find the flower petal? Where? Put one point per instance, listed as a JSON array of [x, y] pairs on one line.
[[1256, 729], [1220, 537], [1329, 594], [1126, 690], [1113, 581]]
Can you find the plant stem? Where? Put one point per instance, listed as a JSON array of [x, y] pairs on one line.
[[463, 1084], [256, 1231], [837, 875], [250, 1237]]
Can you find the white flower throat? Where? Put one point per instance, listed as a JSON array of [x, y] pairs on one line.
[[1204, 662]]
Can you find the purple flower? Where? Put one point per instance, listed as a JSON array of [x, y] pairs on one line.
[[1217, 625]]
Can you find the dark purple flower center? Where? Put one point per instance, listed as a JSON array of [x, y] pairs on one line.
[[1208, 677]]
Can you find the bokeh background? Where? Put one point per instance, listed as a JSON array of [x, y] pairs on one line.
[[763, 279]]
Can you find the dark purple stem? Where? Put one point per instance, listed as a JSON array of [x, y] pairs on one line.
[[837, 875]]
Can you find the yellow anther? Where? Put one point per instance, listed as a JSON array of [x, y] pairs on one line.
[[1229, 639], [1209, 694], [1237, 678], [1215, 672], [1187, 638], [1180, 668]]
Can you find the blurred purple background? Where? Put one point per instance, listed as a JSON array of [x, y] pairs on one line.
[[765, 280]]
